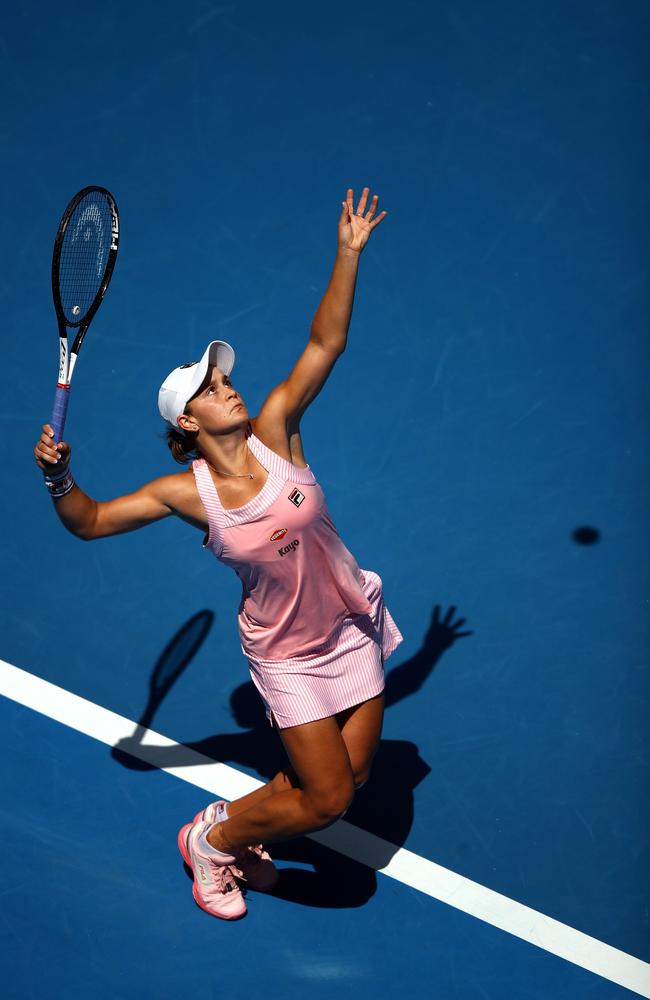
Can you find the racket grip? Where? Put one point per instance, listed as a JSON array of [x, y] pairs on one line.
[[59, 410]]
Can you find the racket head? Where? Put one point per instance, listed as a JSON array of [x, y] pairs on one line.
[[85, 250]]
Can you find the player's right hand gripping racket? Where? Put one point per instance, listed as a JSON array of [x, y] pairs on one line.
[[85, 250]]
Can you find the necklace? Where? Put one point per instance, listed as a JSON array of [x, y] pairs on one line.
[[239, 475]]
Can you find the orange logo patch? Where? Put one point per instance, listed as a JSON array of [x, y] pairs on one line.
[[280, 533]]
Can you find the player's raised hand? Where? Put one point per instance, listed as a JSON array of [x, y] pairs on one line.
[[355, 227]]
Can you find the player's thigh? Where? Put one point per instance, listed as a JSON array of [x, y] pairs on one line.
[[319, 756], [361, 731]]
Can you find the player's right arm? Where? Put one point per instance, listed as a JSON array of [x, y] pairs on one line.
[[87, 518]]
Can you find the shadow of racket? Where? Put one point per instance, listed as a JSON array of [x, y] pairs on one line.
[[173, 660]]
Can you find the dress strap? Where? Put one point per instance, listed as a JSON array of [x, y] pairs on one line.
[[277, 465], [212, 504]]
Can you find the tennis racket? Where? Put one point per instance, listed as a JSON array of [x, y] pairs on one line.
[[85, 250]]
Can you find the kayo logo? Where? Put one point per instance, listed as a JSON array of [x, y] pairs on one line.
[[277, 535], [289, 548]]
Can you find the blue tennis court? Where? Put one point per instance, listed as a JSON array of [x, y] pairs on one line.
[[482, 445]]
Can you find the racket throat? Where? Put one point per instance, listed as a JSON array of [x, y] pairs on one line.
[[63, 360], [66, 367]]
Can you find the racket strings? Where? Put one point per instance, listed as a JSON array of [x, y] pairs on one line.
[[84, 256]]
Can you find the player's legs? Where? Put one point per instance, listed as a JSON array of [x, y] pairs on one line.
[[361, 731], [283, 781], [360, 728], [320, 761]]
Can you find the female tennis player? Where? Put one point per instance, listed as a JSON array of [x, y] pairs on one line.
[[312, 624]]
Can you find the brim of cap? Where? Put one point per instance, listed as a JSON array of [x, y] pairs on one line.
[[217, 353]]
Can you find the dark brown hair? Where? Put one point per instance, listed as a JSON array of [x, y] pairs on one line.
[[182, 446]]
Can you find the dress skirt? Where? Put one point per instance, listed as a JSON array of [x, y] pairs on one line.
[[344, 671]]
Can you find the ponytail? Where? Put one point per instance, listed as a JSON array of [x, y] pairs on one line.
[[182, 446]]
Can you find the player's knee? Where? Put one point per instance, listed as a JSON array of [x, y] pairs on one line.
[[333, 803], [361, 775]]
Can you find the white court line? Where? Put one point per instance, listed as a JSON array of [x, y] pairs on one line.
[[398, 863]]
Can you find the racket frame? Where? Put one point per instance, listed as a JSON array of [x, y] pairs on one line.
[[68, 359]]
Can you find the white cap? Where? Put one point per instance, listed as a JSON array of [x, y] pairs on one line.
[[181, 384]]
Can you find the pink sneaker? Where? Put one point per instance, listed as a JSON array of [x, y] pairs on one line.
[[215, 888], [254, 863]]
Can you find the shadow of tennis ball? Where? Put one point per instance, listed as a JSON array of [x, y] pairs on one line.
[[586, 536]]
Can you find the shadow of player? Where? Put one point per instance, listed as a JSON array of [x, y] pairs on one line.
[[326, 878]]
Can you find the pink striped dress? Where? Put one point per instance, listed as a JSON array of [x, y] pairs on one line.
[[312, 625]]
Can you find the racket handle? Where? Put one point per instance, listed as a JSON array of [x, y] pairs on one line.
[[59, 410]]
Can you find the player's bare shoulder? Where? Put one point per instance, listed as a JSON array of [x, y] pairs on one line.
[[178, 491]]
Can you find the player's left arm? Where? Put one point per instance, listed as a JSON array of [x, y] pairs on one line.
[[329, 328]]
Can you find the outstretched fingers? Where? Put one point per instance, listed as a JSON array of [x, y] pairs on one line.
[[379, 218], [371, 211], [362, 202], [361, 208]]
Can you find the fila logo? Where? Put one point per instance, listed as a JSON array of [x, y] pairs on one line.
[[296, 497], [277, 535], [203, 873], [289, 548]]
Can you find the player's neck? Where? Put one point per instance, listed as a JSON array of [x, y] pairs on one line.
[[228, 454]]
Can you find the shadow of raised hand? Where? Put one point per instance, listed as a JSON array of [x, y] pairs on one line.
[[408, 677]]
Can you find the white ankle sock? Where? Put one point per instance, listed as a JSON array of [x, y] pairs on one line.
[[205, 845], [222, 812]]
